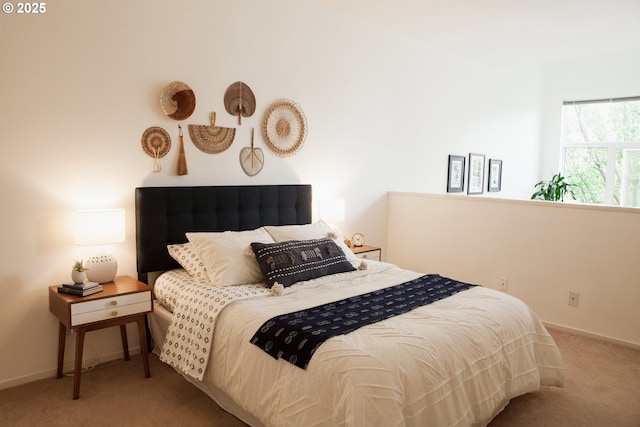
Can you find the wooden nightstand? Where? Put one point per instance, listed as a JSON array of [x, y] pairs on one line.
[[373, 253], [125, 300]]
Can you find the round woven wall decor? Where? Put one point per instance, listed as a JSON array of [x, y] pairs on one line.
[[284, 127], [178, 100], [156, 142]]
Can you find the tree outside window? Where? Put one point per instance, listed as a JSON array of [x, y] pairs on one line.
[[601, 147]]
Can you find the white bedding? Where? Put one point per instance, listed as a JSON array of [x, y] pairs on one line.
[[455, 362]]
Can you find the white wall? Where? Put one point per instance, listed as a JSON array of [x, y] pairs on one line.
[[81, 83], [596, 77]]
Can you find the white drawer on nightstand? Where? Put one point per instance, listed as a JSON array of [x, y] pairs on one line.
[[372, 255], [368, 252], [108, 308]]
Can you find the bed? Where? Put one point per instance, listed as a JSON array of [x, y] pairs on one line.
[[456, 361]]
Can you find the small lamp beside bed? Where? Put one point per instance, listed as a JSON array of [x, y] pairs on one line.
[[100, 227], [332, 211]]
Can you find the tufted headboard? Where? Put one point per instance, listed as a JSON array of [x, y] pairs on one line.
[[165, 214]]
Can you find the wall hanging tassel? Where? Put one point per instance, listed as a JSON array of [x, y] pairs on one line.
[[182, 158]]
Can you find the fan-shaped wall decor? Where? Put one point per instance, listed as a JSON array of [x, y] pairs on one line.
[[211, 139], [178, 100], [239, 100], [156, 142], [251, 159], [284, 127]]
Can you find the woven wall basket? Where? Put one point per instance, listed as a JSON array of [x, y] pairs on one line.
[[178, 100], [284, 127]]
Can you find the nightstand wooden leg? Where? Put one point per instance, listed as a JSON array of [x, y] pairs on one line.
[[78, 362], [125, 344], [62, 336], [143, 348], [148, 332]]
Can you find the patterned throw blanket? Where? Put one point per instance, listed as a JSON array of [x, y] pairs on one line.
[[189, 336], [296, 336]]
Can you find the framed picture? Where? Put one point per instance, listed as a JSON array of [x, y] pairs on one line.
[[476, 174], [495, 175], [455, 178]]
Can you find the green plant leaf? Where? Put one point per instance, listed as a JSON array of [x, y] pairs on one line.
[[555, 189]]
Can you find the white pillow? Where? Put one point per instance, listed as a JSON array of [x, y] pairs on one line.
[[188, 257], [317, 230], [226, 258]]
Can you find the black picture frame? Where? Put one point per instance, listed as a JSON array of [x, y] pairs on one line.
[[456, 174], [475, 181], [494, 183]]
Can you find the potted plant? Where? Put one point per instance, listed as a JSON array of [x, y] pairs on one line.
[[79, 272], [553, 190]]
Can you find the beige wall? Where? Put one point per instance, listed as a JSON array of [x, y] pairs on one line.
[[545, 249]]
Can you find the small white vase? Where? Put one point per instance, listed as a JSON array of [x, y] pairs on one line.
[[78, 276]]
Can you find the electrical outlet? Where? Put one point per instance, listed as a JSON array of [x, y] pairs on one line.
[[503, 283], [573, 299]]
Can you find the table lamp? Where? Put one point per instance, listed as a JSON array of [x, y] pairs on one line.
[[97, 228], [332, 210]]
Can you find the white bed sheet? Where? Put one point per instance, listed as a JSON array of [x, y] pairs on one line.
[[455, 362]]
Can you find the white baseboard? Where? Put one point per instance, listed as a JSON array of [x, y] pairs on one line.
[[52, 372], [587, 334]]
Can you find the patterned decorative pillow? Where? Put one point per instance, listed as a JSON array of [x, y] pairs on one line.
[[317, 230], [188, 257], [297, 260]]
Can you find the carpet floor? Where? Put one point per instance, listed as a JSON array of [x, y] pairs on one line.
[[602, 389]]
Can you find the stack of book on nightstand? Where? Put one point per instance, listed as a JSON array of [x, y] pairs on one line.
[[81, 289]]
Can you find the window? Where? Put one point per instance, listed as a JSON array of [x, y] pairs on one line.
[[601, 150]]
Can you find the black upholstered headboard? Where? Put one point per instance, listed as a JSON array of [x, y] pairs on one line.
[[165, 214]]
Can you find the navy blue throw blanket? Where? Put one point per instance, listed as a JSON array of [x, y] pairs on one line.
[[296, 336]]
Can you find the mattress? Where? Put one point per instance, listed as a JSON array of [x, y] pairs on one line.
[[455, 362], [159, 321]]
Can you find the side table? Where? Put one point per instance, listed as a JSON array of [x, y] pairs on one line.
[[125, 300]]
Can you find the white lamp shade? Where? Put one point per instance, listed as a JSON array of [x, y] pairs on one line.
[[99, 227], [332, 210]]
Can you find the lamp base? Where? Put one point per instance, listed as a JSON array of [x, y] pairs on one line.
[[101, 268]]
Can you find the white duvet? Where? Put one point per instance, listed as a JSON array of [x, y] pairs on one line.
[[455, 362]]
